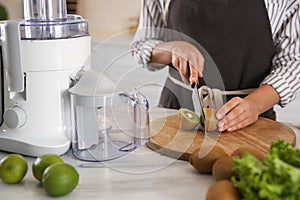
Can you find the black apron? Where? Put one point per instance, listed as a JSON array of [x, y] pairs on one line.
[[235, 33]]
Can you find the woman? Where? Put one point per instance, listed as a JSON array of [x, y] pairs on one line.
[[254, 43]]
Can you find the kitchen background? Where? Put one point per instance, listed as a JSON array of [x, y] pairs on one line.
[[105, 17], [110, 23]]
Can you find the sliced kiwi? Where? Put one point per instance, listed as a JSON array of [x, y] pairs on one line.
[[211, 122], [188, 119]]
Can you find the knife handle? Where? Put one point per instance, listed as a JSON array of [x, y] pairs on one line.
[[199, 83], [194, 85]]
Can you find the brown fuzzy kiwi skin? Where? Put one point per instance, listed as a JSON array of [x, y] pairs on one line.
[[222, 190], [205, 164], [242, 150], [222, 168]]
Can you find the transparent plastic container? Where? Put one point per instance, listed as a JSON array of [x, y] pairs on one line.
[[106, 125]]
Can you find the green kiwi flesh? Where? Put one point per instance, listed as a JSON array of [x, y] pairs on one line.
[[188, 119]]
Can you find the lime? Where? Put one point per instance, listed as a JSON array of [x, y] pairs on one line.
[[13, 168], [42, 162], [60, 179]]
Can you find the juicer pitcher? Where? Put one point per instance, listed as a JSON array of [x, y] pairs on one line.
[[106, 124]]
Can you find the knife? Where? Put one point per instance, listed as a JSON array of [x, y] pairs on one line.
[[210, 135], [196, 102]]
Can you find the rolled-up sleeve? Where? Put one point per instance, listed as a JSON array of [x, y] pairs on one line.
[[285, 74], [149, 32]]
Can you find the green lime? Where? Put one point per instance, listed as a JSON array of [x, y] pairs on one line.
[[42, 162], [13, 168], [60, 179]]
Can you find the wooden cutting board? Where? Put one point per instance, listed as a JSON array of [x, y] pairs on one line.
[[168, 139]]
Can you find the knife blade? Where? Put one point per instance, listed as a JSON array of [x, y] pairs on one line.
[[196, 101], [211, 133], [197, 105]]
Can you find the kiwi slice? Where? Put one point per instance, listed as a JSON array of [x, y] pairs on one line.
[[211, 122], [188, 119]]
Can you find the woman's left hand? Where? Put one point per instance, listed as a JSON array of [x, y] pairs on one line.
[[237, 113]]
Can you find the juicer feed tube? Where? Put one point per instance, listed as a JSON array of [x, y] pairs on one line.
[[45, 10]]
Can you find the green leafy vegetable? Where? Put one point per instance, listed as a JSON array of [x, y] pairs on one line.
[[3, 13], [278, 177]]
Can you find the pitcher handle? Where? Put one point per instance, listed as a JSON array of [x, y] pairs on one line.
[[140, 106]]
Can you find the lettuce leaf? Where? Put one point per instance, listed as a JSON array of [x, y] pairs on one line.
[[278, 177]]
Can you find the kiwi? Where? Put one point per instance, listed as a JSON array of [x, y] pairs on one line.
[[204, 164], [211, 122], [242, 150], [222, 190], [188, 119], [222, 168]]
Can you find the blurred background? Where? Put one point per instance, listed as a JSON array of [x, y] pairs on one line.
[[112, 24], [105, 17]]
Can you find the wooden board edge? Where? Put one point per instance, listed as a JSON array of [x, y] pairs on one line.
[[167, 152], [185, 155]]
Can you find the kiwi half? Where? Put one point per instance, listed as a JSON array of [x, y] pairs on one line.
[[188, 119]]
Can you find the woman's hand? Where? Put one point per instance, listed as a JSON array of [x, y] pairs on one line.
[[238, 113], [185, 57]]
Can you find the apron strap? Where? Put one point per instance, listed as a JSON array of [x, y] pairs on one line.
[[210, 98], [214, 97], [231, 92]]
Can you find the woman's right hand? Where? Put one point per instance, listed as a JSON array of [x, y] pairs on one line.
[[185, 57]]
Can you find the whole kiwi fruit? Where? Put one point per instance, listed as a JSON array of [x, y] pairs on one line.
[[222, 190], [222, 168], [242, 150], [205, 163]]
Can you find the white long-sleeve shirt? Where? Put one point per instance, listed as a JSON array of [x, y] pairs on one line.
[[284, 18]]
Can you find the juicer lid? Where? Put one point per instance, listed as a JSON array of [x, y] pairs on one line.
[[48, 19], [92, 84], [74, 26]]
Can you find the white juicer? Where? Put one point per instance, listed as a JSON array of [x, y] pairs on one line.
[[40, 56]]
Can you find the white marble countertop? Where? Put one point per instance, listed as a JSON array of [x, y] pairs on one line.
[[118, 180], [142, 174]]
